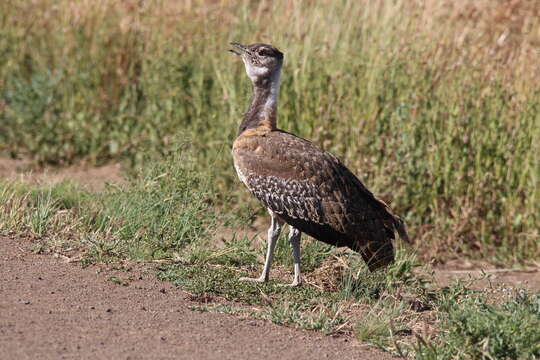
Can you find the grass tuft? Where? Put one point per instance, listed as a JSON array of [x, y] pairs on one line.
[[157, 214], [477, 327], [164, 209]]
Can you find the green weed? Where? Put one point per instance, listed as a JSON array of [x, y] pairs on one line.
[[477, 327], [224, 309], [118, 281], [40, 216], [162, 210], [165, 208]]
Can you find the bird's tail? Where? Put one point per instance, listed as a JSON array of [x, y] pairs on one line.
[[397, 222], [400, 227]]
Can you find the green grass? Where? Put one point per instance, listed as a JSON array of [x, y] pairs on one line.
[[439, 121], [223, 281], [397, 310], [476, 328], [159, 213], [163, 209]]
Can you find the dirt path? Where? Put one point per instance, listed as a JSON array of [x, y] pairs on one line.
[[528, 278], [50, 309], [90, 178]]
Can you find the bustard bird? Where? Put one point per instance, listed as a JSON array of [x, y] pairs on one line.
[[301, 184]]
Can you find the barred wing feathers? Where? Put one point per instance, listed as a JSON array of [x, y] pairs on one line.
[[313, 191]]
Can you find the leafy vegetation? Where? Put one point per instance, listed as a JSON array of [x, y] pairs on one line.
[[476, 328], [159, 212]]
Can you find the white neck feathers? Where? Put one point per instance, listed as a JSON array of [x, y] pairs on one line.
[[270, 105]]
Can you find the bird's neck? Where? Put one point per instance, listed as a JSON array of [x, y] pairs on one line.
[[262, 112]]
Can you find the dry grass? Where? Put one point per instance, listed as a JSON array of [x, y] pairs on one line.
[[434, 104]]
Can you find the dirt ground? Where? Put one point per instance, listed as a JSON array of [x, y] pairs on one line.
[[51, 309], [92, 178], [528, 278]]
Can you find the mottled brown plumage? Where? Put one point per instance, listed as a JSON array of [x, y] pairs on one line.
[[314, 192], [303, 185]]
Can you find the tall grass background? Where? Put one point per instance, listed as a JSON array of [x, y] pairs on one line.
[[434, 104]]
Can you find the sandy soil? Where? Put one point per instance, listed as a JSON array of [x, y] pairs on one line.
[[51, 309], [92, 178], [528, 278]]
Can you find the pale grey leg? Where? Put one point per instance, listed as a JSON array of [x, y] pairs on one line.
[[273, 234], [294, 239]]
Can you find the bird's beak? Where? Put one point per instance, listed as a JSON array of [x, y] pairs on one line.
[[240, 47]]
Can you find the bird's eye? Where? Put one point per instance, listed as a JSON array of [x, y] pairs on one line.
[[262, 52]]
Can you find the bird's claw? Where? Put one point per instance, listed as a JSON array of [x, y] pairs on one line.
[[259, 279]]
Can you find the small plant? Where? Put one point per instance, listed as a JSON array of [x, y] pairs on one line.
[[40, 214], [480, 327], [118, 281], [162, 210]]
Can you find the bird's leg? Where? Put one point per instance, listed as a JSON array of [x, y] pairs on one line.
[[294, 239], [273, 234]]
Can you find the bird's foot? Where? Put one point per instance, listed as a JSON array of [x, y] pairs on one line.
[[295, 283], [259, 279]]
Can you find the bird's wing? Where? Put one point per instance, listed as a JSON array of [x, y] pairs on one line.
[[300, 182]]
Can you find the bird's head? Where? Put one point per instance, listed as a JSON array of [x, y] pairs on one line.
[[263, 62]]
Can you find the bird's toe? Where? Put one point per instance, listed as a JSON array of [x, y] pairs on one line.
[[293, 284], [259, 279]]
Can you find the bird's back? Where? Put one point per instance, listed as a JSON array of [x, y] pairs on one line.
[[314, 192]]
